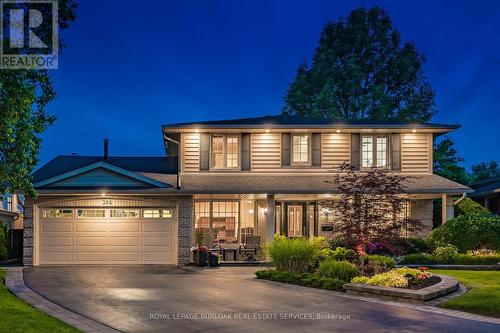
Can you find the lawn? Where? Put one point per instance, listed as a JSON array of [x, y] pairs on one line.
[[483, 296], [18, 317]]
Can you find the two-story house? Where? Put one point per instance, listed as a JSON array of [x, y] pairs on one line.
[[224, 180]]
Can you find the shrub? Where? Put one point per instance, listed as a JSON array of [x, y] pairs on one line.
[[389, 279], [3, 241], [417, 259], [418, 245], [360, 279], [383, 261], [343, 253], [444, 254], [468, 232], [302, 279], [482, 259], [469, 206], [405, 271], [341, 270], [294, 255]]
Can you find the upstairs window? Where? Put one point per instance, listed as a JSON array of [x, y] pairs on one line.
[[374, 151], [300, 146], [225, 151]]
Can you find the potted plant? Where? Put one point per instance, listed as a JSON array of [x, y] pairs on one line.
[[201, 255], [213, 259]]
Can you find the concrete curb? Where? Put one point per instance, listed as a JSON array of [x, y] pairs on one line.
[[15, 283], [424, 308]]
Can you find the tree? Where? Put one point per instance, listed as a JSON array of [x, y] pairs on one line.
[[361, 69], [446, 161], [370, 205], [485, 170], [24, 95]]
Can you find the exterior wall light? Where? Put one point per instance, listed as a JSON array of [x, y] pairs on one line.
[[338, 131], [197, 130], [414, 130], [103, 194], [267, 131]]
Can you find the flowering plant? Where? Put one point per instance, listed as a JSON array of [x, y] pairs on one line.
[[423, 268], [201, 249]]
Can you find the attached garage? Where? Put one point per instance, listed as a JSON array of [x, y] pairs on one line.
[[117, 235]]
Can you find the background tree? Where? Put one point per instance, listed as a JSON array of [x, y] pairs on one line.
[[361, 69], [446, 161], [24, 95], [484, 170], [370, 205]]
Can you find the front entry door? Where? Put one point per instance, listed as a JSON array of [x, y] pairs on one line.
[[295, 218]]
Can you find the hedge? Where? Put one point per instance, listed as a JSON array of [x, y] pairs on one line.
[[301, 279]]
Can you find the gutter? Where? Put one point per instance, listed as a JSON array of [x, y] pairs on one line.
[[464, 195]]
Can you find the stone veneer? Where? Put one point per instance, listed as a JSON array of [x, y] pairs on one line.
[[185, 218]]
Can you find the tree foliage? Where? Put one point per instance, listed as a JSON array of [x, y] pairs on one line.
[[446, 161], [361, 69], [370, 205], [485, 170], [24, 95]]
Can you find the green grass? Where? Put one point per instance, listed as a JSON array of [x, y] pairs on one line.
[[483, 296], [18, 317]]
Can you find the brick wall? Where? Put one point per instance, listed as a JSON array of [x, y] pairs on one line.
[[185, 205], [28, 235], [422, 210]]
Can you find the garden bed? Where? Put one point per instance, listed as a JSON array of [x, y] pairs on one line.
[[445, 286]]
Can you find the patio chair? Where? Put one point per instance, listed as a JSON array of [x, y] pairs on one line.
[[250, 249]]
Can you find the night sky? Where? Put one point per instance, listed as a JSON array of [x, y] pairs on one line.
[[131, 66]]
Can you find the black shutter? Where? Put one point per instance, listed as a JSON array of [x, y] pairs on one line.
[[316, 149], [245, 151], [285, 149], [355, 155], [204, 151], [396, 151]]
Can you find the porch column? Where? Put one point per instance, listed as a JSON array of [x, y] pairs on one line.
[[270, 217], [447, 208]]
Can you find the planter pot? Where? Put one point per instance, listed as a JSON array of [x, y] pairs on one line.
[[213, 261], [200, 259]]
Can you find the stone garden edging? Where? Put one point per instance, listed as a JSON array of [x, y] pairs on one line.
[[446, 286]]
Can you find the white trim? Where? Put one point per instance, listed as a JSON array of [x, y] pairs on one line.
[[103, 165]]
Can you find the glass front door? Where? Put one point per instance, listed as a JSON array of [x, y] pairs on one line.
[[295, 217]]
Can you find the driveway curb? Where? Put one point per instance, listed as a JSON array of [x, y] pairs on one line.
[[15, 283], [425, 308]]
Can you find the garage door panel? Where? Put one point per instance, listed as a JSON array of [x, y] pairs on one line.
[[55, 240], [156, 240], [162, 226], [156, 248], [123, 227], [124, 256], [90, 240], [94, 256], [57, 227], [55, 257], [123, 241], [110, 240], [91, 226], [152, 257]]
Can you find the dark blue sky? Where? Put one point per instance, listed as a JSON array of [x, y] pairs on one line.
[[131, 66]]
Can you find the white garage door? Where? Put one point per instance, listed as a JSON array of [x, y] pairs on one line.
[[107, 236]]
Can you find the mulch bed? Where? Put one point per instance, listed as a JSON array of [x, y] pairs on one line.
[[432, 281]]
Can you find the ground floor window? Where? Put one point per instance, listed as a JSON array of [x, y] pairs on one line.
[[218, 221]]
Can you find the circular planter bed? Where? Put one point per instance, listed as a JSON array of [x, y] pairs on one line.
[[446, 285]]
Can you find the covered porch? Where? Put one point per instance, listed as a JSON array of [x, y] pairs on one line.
[[233, 224]]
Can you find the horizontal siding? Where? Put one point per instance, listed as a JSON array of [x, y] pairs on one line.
[[266, 151], [192, 152], [335, 149], [415, 152]]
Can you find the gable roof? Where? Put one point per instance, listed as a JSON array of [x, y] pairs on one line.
[[62, 168], [292, 121]]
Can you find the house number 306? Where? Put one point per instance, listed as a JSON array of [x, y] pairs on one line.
[[107, 202]]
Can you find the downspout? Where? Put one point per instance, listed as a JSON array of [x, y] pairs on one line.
[[464, 195]]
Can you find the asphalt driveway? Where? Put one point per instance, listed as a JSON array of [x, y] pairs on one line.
[[167, 299]]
